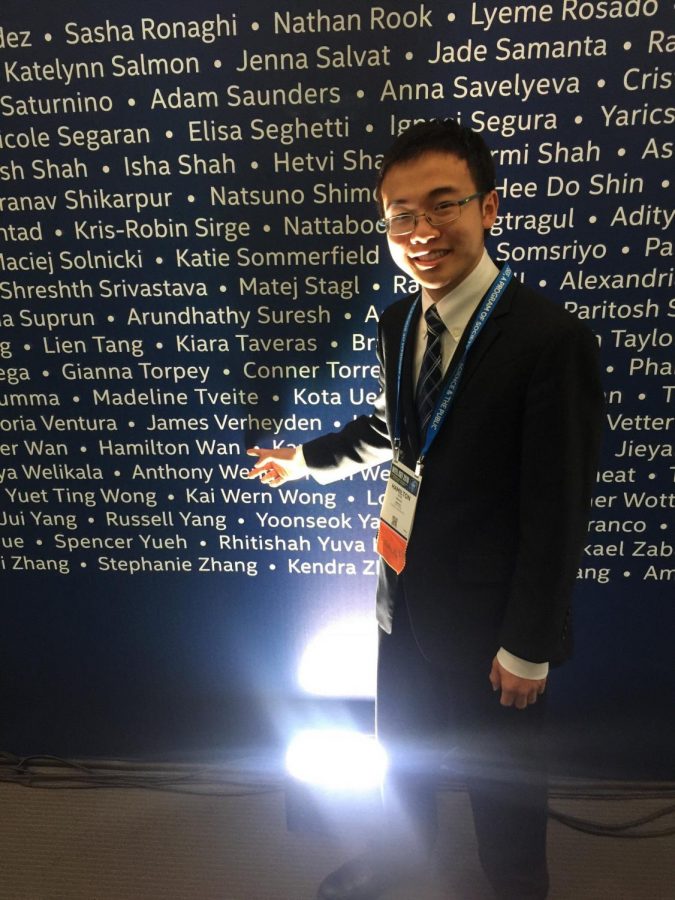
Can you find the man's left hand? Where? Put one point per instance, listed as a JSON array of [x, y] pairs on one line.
[[516, 691]]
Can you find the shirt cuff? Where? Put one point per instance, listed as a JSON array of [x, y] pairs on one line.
[[523, 668]]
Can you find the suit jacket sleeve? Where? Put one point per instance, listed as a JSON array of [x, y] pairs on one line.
[[363, 442], [564, 411]]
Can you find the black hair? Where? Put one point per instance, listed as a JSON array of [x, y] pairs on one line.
[[444, 136]]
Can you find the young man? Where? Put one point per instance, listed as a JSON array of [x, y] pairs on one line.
[[492, 393]]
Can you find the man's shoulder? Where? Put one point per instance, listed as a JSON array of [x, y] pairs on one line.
[[527, 299], [534, 310], [395, 314]]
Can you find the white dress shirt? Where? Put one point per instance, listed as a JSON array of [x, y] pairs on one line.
[[455, 310]]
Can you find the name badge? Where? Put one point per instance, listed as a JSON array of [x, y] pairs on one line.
[[397, 515]]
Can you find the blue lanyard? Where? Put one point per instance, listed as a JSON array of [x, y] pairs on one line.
[[447, 396]]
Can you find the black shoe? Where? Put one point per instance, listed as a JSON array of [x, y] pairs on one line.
[[363, 878]]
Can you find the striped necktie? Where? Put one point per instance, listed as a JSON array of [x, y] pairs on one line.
[[431, 372]]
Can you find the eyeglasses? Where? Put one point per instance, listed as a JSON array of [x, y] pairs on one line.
[[441, 214]]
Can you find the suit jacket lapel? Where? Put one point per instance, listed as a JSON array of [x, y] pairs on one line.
[[488, 335]]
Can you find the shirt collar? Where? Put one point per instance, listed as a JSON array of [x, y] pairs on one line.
[[456, 307]]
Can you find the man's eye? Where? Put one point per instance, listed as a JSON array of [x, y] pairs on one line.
[[444, 206]]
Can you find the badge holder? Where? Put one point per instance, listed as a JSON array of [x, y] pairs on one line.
[[397, 515]]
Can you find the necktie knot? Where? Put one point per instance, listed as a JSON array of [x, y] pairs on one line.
[[434, 322]]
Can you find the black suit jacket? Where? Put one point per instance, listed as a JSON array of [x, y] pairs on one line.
[[502, 514]]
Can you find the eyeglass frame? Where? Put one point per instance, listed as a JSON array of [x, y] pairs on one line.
[[384, 224]]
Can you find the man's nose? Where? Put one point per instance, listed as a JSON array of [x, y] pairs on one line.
[[423, 231]]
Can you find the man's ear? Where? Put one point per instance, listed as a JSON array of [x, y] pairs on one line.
[[490, 207]]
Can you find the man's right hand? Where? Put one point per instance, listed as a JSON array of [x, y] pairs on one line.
[[274, 467]]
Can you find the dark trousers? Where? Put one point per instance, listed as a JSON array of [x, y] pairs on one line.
[[432, 719]]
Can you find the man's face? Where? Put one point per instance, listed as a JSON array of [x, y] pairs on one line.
[[438, 257]]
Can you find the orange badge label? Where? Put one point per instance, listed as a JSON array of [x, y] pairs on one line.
[[391, 547]]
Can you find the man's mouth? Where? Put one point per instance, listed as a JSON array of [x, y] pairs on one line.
[[428, 259]]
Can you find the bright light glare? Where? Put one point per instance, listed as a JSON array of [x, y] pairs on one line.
[[341, 660], [336, 760]]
